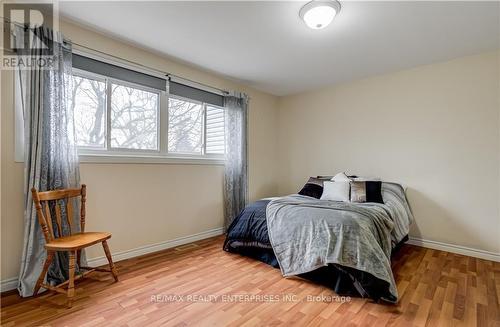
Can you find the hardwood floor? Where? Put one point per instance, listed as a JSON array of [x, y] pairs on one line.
[[436, 289]]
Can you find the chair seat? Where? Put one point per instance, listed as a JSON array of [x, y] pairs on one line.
[[77, 241]]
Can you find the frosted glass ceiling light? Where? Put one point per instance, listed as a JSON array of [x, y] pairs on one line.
[[318, 14]]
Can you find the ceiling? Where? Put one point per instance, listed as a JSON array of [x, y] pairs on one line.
[[265, 44]]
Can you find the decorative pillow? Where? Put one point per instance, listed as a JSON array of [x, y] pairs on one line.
[[374, 192], [341, 177], [368, 191], [336, 191], [358, 192], [313, 187], [351, 177]]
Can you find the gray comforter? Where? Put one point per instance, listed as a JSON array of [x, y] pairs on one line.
[[307, 233]]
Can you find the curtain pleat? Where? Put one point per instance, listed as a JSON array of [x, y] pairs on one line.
[[236, 164]]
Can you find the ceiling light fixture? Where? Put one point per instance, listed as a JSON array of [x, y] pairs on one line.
[[318, 14]]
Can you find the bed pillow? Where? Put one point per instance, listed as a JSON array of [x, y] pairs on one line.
[[336, 191], [358, 192], [341, 177], [367, 191], [329, 177], [313, 187]]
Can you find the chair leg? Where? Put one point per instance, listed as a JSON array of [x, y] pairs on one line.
[[78, 258], [46, 265], [110, 260], [71, 284]]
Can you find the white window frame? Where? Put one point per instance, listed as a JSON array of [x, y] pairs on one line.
[[180, 98], [112, 81], [203, 132], [161, 155], [90, 150], [99, 78]]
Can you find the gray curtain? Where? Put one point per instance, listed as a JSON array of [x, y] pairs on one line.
[[236, 165], [51, 160]]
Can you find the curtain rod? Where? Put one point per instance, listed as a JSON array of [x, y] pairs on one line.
[[24, 26], [167, 74]]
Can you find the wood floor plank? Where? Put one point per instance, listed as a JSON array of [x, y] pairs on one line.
[[200, 285]]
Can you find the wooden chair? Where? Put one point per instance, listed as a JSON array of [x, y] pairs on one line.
[[72, 243]]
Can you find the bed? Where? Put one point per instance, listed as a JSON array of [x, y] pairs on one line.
[[345, 246]]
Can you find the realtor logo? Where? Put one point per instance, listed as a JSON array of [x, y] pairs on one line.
[[33, 15]]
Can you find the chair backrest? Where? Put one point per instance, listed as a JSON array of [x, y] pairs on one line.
[[61, 199]]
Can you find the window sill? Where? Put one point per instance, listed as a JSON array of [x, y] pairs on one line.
[[148, 159]]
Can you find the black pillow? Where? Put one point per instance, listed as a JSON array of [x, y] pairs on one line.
[[374, 191], [313, 187], [330, 177]]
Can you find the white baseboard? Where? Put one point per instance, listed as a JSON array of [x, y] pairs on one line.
[[122, 255], [8, 284], [481, 254], [11, 283]]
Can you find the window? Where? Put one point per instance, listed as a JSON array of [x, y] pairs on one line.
[[134, 118], [126, 113], [89, 103], [185, 126], [215, 130], [189, 122], [132, 114]]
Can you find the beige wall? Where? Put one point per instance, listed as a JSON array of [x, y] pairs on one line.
[[434, 128], [140, 204]]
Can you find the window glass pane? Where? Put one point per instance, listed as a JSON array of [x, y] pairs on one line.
[[215, 142], [88, 99], [185, 126], [134, 121]]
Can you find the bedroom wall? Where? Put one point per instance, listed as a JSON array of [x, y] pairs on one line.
[[434, 128], [141, 204]]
